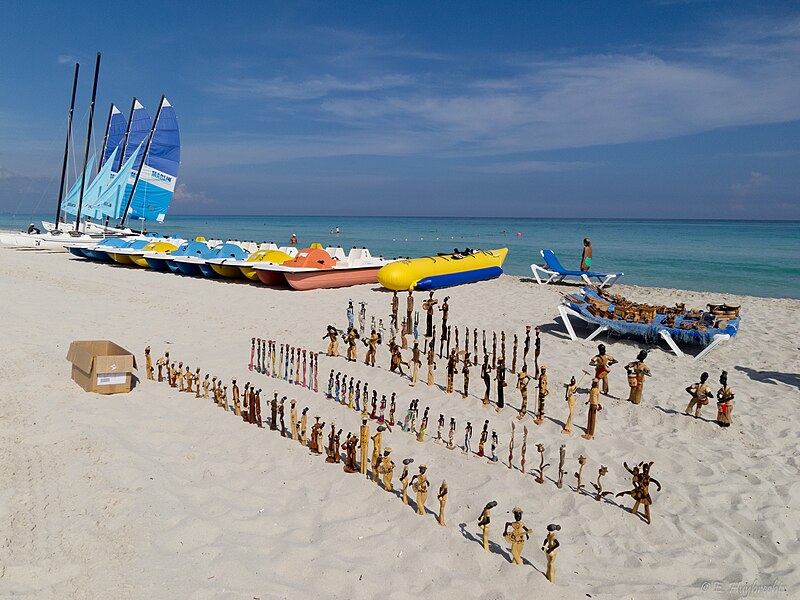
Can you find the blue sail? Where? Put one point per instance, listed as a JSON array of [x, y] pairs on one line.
[[157, 181], [112, 202], [70, 204], [139, 129], [116, 135], [92, 194]]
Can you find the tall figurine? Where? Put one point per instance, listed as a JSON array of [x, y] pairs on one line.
[[486, 375], [562, 457], [416, 363], [252, 353], [404, 479], [304, 384], [594, 408], [293, 418], [569, 397], [493, 457], [641, 488], [500, 375], [316, 436], [392, 408], [258, 355], [542, 465], [256, 408], [273, 420], [179, 375], [602, 362], [333, 341], [494, 350], [148, 361], [524, 448], [431, 363], [445, 310], [352, 336], [484, 520], [503, 344], [467, 437], [637, 371], [724, 402], [550, 547], [451, 433], [517, 536], [350, 314], [362, 317], [281, 414], [237, 409], [700, 393], [439, 427], [197, 383], [419, 483], [386, 469], [452, 364], [428, 307], [465, 373], [537, 348], [403, 335], [372, 349], [409, 309], [522, 385], [303, 426], [579, 474], [484, 437], [364, 445], [245, 399], [514, 357], [511, 446], [442, 498], [330, 450], [395, 307], [329, 395], [598, 487], [423, 427], [475, 345], [543, 392], [350, 464], [376, 452]]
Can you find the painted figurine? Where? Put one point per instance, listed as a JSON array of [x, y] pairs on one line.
[[386, 469], [148, 362], [579, 474], [404, 479], [562, 457], [419, 483], [641, 488], [451, 433], [700, 395], [724, 402], [522, 385], [543, 392], [594, 408], [493, 457], [467, 437], [484, 437], [500, 376], [484, 520], [598, 487], [637, 371], [550, 547], [511, 446], [364, 445], [333, 341], [442, 498], [569, 397], [517, 536], [602, 363], [293, 418], [524, 448], [542, 465], [486, 375]]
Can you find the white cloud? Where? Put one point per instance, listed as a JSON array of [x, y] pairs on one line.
[[755, 183]]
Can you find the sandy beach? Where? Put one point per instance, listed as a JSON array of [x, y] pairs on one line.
[[156, 494]]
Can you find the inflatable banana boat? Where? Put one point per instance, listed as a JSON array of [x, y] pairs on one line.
[[444, 270]]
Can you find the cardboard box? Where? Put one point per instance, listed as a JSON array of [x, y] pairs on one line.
[[101, 366]]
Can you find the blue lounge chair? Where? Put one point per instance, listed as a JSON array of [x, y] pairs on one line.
[[555, 272]]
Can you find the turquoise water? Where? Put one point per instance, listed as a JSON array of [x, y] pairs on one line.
[[759, 258]]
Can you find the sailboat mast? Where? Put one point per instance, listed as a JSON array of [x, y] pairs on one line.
[[88, 141], [141, 167], [127, 133], [105, 137], [66, 145]]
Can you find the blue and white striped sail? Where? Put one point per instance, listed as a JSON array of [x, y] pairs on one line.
[[139, 130], [93, 192], [157, 181], [70, 204], [116, 136], [112, 202]]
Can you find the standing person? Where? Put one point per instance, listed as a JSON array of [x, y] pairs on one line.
[[586, 257]]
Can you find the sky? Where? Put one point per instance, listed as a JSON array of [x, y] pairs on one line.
[[653, 108]]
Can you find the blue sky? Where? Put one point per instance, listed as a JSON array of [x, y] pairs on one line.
[[583, 109]]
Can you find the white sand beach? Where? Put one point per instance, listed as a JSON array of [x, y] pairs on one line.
[[157, 494]]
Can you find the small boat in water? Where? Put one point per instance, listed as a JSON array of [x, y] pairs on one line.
[[315, 268]]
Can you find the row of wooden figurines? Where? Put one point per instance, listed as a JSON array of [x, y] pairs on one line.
[[286, 364]]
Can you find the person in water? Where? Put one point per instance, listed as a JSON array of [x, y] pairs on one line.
[[586, 257], [293, 239]]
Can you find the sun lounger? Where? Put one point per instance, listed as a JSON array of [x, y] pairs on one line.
[[555, 272]]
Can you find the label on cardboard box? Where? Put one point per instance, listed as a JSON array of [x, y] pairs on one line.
[[111, 378]]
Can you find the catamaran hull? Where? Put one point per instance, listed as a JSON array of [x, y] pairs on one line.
[[331, 278]]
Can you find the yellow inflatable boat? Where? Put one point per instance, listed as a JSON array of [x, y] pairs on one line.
[[444, 270]]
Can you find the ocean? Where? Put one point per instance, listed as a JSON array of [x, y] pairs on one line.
[[758, 258]]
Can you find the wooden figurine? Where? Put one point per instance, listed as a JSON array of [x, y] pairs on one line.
[[569, 397], [350, 464], [527, 346], [392, 408], [362, 317], [700, 395], [179, 376], [303, 425], [416, 363], [423, 426], [293, 418], [467, 437], [486, 375], [403, 336], [500, 375], [522, 385], [484, 438], [352, 337], [494, 443], [517, 536], [452, 364], [404, 479], [724, 402], [160, 366], [594, 408], [419, 483], [445, 310], [511, 446], [641, 488], [439, 427], [386, 469], [376, 452], [475, 345], [372, 349], [258, 355], [237, 407], [542, 466], [503, 344], [281, 413], [494, 350], [273, 420], [409, 309], [428, 307], [602, 363], [484, 520], [579, 474], [637, 371], [313, 441], [256, 408], [333, 341], [224, 397], [514, 356], [537, 348], [451, 433], [442, 498], [189, 380], [598, 487], [148, 362], [431, 363], [543, 392], [334, 454], [524, 448], [562, 457], [550, 547], [465, 373], [252, 352], [364, 445]]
